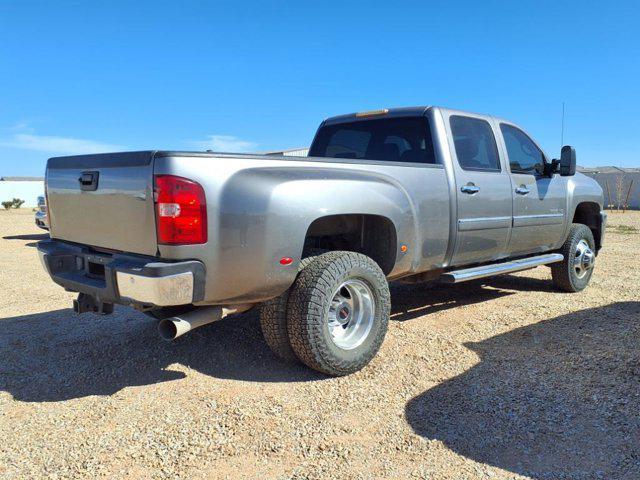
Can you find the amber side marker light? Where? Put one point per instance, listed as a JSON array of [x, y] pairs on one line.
[[373, 113], [403, 248]]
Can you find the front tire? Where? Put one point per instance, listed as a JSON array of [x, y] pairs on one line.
[[574, 272], [338, 312]]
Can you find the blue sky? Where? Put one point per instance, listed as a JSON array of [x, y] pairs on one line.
[[97, 76]]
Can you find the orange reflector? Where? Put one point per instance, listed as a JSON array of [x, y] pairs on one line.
[[286, 261], [403, 248]]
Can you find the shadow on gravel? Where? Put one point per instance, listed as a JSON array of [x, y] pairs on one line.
[[31, 236], [58, 355], [557, 399], [410, 301]]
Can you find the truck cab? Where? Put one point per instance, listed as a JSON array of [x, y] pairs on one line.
[[505, 198]]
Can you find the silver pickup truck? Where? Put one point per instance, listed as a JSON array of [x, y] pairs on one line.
[[414, 194]]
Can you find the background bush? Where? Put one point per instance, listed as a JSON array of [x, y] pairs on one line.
[[15, 203]]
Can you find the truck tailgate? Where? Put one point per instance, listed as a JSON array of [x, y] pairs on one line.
[[103, 200]]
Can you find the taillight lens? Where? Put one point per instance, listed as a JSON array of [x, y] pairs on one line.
[[181, 211]]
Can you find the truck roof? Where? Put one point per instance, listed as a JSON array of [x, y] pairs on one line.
[[374, 114], [401, 112]]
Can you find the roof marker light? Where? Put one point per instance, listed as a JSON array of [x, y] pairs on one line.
[[373, 113]]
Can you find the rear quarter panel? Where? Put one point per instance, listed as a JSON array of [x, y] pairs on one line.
[[259, 210]]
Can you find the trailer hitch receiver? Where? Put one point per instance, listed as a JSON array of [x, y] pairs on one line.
[[87, 303]]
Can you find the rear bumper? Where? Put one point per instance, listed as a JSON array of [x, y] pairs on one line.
[[122, 278]]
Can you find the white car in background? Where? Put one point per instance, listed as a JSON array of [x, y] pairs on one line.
[[41, 214]]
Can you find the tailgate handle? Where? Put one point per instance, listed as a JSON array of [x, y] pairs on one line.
[[89, 181]]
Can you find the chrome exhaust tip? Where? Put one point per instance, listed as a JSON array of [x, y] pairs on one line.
[[173, 327]]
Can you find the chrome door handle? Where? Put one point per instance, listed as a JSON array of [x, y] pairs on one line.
[[470, 189], [522, 190]]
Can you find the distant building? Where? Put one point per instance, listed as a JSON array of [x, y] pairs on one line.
[[24, 188], [617, 183], [21, 179]]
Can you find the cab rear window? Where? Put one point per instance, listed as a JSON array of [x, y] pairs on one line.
[[404, 139]]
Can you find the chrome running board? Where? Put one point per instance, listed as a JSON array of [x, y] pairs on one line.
[[474, 273]]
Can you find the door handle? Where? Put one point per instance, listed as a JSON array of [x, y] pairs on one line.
[[470, 188], [522, 190]]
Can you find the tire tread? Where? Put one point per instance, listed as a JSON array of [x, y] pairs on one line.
[[305, 317], [273, 320]]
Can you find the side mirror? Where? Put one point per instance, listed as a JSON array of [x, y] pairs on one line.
[[550, 169], [567, 161]]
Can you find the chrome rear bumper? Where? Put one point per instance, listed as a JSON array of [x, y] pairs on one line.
[[172, 289], [122, 278]]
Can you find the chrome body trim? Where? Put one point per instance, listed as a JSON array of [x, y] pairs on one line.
[[483, 223], [533, 220]]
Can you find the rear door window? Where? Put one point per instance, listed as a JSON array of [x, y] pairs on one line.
[[475, 144], [402, 139]]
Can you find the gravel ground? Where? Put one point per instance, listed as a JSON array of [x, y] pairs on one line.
[[502, 379]]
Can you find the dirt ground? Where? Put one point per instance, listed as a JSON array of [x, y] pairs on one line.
[[501, 379]]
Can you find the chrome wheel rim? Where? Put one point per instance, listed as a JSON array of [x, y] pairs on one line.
[[351, 314], [584, 259]]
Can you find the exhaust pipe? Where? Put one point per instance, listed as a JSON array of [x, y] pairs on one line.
[[174, 327]]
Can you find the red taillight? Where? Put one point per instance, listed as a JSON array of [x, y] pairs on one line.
[[181, 211]]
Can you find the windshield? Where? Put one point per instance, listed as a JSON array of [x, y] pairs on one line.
[[403, 139]]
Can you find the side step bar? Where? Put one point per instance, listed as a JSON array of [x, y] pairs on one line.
[[474, 273]]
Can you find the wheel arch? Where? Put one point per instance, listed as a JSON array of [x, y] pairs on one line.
[[588, 213], [370, 234]]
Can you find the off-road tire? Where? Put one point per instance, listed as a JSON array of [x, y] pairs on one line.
[[273, 321], [563, 273], [308, 307]]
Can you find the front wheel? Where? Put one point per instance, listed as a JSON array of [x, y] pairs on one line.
[[338, 312], [574, 272]]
